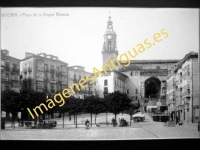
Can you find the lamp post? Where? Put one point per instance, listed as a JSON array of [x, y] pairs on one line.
[[67, 86]]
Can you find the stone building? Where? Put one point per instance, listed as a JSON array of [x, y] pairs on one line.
[[75, 74], [113, 80], [183, 89], [147, 81], [43, 73], [143, 80], [10, 73]]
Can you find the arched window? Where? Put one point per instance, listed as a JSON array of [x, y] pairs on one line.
[[158, 67]]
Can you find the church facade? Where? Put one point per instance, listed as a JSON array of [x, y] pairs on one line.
[[143, 80]]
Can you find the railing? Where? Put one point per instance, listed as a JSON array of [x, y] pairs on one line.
[[4, 80], [58, 72], [46, 70], [15, 70], [29, 69], [25, 70], [7, 68], [105, 92], [90, 92], [52, 91], [52, 71]]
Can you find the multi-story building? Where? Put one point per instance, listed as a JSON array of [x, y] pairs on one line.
[[75, 74], [183, 89], [112, 81], [9, 72], [43, 73]]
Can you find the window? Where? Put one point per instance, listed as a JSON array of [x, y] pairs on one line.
[[25, 65], [7, 77], [40, 84], [136, 73], [52, 76], [52, 66], [74, 76], [158, 67], [79, 77], [14, 66], [105, 82], [131, 74], [45, 67], [105, 90], [46, 76], [57, 78], [89, 88], [57, 69], [52, 86], [29, 64], [127, 91], [136, 91], [7, 87]]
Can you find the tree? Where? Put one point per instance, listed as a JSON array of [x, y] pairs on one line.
[[131, 110], [10, 102], [74, 107], [98, 106], [118, 102], [89, 105]]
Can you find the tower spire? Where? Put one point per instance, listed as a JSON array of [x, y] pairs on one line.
[[109, 46]]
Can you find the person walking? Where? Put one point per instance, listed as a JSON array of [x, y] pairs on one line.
[[177, 120], [87, 124]]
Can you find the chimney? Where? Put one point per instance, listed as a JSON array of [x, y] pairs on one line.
[[55, 57], [50, 56], [28, 54]]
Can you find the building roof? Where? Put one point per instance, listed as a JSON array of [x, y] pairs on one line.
[[154, 61], [187, 56], [34, 55]]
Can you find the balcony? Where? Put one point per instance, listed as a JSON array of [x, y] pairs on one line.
[[90, 92], [25, 70], [58, 72], [29, 69], [15, 70], [46, 80], [105, 92], [186, 95], [52, 91], [52, 81], [46, 70], [186, 105], [15, 80], [7, 81], [52, 71], [7, 68], [75, 80], [46, 91]]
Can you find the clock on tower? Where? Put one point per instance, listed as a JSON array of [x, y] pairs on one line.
[[109, 46]]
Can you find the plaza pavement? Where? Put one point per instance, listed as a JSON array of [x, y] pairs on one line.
[[140, 130]]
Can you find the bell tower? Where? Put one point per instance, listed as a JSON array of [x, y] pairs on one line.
[[109, 47]]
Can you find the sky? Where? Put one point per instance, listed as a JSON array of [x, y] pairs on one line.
[[77, 38]]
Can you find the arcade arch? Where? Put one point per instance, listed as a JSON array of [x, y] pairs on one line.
[[152, 87]]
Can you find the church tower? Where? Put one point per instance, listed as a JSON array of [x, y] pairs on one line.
[[109, 47]]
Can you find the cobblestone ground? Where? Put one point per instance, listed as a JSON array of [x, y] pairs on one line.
[[140, 130]]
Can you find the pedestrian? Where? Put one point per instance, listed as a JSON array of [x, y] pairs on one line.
[[69, 117], [177, 119], [87, 123]]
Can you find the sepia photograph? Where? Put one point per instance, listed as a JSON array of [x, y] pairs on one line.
[[99, 73]]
